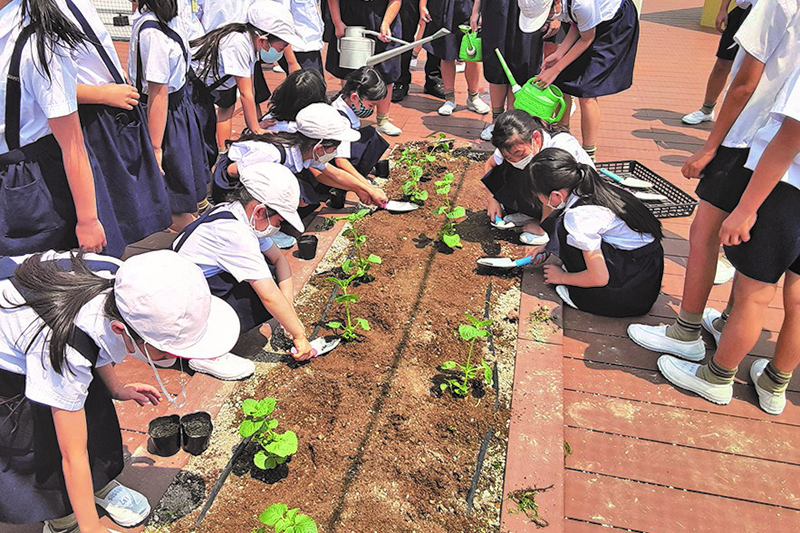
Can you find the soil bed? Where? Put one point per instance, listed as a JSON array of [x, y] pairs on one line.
[[381, 448]]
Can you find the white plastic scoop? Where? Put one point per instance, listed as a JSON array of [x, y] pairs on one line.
[[321, 345], [500, 223], [396, 206], [504, 262], [650, 196], [633, 183]]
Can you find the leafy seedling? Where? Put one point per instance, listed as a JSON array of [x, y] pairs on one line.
[[349, 329], [476, 329], [411, 188], [452, 213], [280, 519], [326, 223], [276, 447], [359, 265], [440, 142]]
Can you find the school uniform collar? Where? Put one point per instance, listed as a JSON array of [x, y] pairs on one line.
[[572, 199], [238, 211], [343, 107], [92, 320]]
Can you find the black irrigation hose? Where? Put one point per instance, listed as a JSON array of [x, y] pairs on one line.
[[221, 480], [495, 375], [478, 467]]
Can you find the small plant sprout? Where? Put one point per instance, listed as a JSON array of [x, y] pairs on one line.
[[280, 519], [411, 186], [476, 329], [448, 233], [351, 324], [276, 447], [359, 265], [440, 142]]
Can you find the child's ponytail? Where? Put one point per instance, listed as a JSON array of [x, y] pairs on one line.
[[299, 90], [553, 169], [164, 10], [208, 46], [366, 83], [52, 28]]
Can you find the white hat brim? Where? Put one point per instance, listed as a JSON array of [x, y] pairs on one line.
[[349, 135], [291, 39], [532, 24], [292, 218], [222, 332]]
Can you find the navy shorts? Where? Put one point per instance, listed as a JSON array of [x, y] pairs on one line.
[[774, 245], [727, 46], [725, 178]]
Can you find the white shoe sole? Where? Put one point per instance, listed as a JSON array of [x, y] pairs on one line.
[[655, 343], [682, 381]]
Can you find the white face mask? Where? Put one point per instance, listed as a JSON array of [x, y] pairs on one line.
[[260, 233], [170, 398], [325, 157], [522, 163], [562, 205]]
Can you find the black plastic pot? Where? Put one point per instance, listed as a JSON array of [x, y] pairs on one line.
[[337, 199], [382, 169], [307, 246], [196, 429], [165, 435]]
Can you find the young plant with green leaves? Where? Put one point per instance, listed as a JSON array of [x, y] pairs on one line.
[[351, 324], [476, 329], [452, 213], [410, 187], [359, 265], [276, 447], [440, 142], [280, 519]]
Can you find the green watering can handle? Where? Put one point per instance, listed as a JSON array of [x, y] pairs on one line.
[[555, 91], [471, 50]]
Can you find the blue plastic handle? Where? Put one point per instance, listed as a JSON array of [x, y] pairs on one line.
[[498, 219], [527, 260], [610, 175]]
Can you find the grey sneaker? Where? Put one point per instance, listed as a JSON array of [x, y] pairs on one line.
[[682, 375], [771, 402]]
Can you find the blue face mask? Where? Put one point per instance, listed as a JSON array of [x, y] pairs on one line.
[[270, 56], [361, 111]]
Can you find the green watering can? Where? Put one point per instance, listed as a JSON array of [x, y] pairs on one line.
[[470, 45], [548, 104]]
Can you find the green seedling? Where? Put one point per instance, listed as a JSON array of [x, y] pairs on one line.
[[360, 264], [411, 186], [440, 142], [352, 324], [476, 329], [526, 503], [280, 519], [448, 233], [276, 447], [326, 223]]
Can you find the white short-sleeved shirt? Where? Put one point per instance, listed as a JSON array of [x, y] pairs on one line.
[[771, 34], [307, 24], [237, 57], [228, 245], [91, 68], [162, 58], [190, 25], [589, 225], [565, 141], [786, 105], [218, 13], [18, 327], [344, 148], [251, 152], [587, 14], [744, 4], [42, 98]]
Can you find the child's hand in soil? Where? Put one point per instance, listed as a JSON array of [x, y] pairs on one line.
[[554, 275], [539, 255], [304, 350], [141, 393]]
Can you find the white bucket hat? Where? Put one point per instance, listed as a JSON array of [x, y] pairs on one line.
[[533, 14], [276, 187], [322, 121], [275, 19], [165, 298]]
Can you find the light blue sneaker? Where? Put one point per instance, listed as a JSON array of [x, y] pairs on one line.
[[283, 241]]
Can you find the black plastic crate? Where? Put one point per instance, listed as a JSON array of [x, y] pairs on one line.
[[678, 203]]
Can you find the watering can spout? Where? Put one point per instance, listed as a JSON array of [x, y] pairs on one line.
[[394, 52]]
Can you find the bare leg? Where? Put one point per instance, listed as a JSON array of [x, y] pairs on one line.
[[448, 69], [472, 73], [717, 79], [565, 119], [384, 105], [590, 121], [787, 349], [224, 125], [498, 95], [701, 265]]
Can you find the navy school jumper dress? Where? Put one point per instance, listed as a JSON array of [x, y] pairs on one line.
[[500, 29], [240, 296], [186, 169], [31, 475], [447, 14], [125, 170], [634, 276]]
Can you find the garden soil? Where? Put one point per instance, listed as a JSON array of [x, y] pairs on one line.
[[381, 447]]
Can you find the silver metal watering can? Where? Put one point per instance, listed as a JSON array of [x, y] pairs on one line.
[[356, 49]]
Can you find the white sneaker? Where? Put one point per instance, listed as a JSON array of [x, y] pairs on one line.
[[709, 316], [772, 403], [477, 105], [725, 271], [563, 293], [277, 68], [487, 132], [283, 241], [682, 375], [387, 128], [228, 367], [125, 506], [460, 66], [531, 239], [697, 117], [655, 338], [447, 108], [518, 219]]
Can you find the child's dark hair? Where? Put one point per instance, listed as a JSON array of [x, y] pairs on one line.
[[208, 45], [58, 295], [52, 28], [300, 89], [553, 169], [287, 139], [366, 83], [164, 10], [516, 125]]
